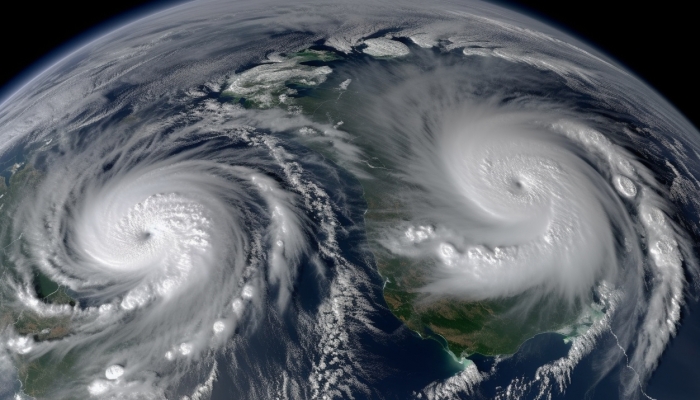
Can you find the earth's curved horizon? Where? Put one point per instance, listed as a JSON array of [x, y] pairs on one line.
[[267, 200]]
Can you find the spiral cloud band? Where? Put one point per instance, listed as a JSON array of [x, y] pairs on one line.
[[514, 196], [288, 212], [144, 235], [524, 212]]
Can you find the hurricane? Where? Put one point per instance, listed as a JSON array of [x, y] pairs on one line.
[[141, 233], [324, 200]]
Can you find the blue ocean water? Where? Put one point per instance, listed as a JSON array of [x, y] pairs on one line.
[[402, 363]]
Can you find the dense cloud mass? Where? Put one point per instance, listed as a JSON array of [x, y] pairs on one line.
[[199, 205]]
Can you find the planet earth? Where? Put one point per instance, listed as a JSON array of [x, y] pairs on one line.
[[330, 200]]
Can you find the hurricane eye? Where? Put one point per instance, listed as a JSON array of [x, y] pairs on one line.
[[517, 184]]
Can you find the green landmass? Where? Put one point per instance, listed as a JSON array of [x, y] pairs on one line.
[[495, 327], [486, 327], [23, 181], [41, 376], [41, 327], [38, 376]]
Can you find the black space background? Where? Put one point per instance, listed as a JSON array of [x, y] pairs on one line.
[[657, 43]]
